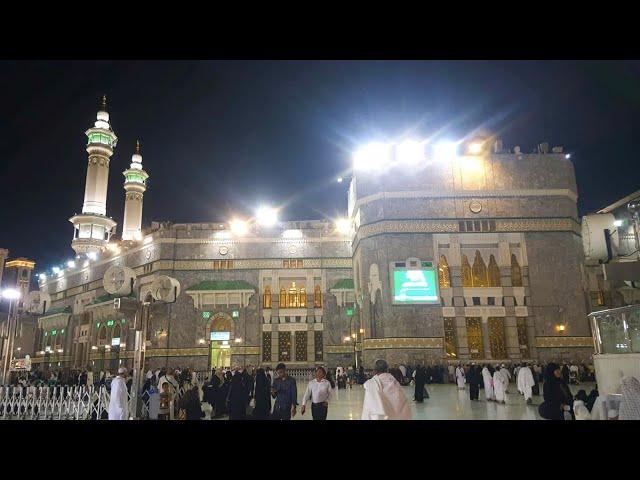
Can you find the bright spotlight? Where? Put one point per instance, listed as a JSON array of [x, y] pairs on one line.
[[410, 152], [374, 156], [11, 293], [267, 216], [92, 255], [475, 148], [618, 223], [55, 270], [71, 264], [445, 151], [343, 225], [238, 227], [567, 156], [339, 179], [43, 276]]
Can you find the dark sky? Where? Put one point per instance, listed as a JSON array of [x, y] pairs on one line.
[[220, 137]]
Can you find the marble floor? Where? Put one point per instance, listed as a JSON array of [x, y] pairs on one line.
[[446, 402]]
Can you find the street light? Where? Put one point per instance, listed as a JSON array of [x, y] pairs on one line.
[[12, 295]]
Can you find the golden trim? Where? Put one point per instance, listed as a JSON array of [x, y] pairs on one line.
[[551, 342], [248, 350], [422, 342]]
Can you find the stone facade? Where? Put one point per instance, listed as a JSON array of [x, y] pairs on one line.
[[503, 227]]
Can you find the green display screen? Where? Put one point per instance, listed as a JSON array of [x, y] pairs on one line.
[[415, 286]]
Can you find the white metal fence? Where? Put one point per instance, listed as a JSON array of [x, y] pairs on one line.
[[60, 403]]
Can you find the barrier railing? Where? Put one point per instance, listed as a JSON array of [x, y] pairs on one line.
[[616, 330]]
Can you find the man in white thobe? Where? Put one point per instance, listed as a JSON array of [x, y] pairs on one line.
[[525, 382], [460, 377], [383, 396], [488, 384], [506, 376], [499, 386], [119, 400]]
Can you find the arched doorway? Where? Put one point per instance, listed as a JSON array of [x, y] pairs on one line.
[[220, 337]]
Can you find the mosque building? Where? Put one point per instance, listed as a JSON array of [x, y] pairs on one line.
[[469, 253]]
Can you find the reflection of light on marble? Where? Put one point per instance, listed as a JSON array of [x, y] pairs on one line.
[[446, 402]]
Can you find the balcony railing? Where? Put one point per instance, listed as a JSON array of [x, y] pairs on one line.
[[616, 330]]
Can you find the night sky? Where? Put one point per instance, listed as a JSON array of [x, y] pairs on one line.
[[220, 137]]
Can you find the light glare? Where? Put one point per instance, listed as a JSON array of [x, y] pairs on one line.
[[343, 225], [618, 223], [410, 152], [267, 216], [71, 264], [11, 293], [238, 227], [475, 148], [92, 255], [373, 156], [445, 151]]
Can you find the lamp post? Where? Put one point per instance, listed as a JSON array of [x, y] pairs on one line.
[[10, 294]]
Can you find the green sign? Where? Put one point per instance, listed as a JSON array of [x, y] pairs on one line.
[[53, 333], [46, 334], [427, 264], [98, 324], [110, 323], [206, 314], [415, 286], [123, 321], [349, 312], [235, 314], [62, 331]]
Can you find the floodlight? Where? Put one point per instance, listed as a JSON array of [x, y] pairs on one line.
[[475, 148], [618, 223], [343, 225], [410, 152], [42, 276], [71, 264], [11, 293], [238, 227], [373, 156], [445, 151], [55, 270], [267, 216]]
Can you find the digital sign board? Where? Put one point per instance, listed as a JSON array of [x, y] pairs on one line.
[[219, 336], [419, 285]]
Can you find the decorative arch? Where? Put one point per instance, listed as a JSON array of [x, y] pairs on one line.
[[444, 275], [266, 297], [467, 278], [493, 272], [317, 297], [479, 271], [102, 335], [516, 272], [303, 297], [117, 331]]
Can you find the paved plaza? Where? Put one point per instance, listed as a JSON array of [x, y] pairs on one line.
[[446, 402]]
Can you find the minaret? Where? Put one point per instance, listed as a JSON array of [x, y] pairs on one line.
[[135, 184], [92, 228]]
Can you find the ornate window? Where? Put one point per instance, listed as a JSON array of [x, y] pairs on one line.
[[301, 346], [292, 263], [317, 340], [522, 337], [493, 272], [479, 271], [467, 280], [303, 297], [283, 298], [266, 297], [497, 339], [284, 346], [444, 276], [516, 272], [450, 343], [474, 337], [317, 297], [294, 299], [266, 346]]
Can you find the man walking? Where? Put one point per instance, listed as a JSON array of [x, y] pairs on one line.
[[285, 392], [525, 382], [119, 401], [383, 396]]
